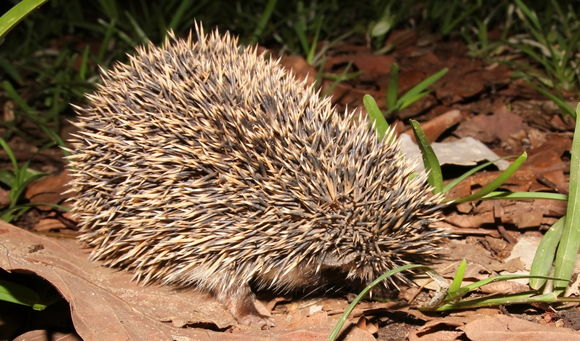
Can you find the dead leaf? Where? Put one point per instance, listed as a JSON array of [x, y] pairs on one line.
[[42, 335], [44, 225], [4, 200], [300, 68], [107, 305], [508, 328], [441, 329], [48, 190], [504, 288], [464, 152], [365, 61], [436, 126]]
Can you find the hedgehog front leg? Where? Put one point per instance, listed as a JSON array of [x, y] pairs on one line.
[[241, 302]]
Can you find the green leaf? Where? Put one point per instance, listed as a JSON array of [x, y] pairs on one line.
[[457, 279], [375, 116], [568, 248], [524, 196], [9, 153], [16, 14], [520, 298], [381, 27], [263, 21], [430, 161], [545, 253], [176, 18], [406, 101], [419, 88], [476, 285], [336, 330], [7, 177], [473, 170], [559, 102], [12, 213], [19, 294], [497, 181], [393, 89]]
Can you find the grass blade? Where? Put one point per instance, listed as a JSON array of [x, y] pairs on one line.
[[529, 14], [407, 101], [143, 38], [490, 187], [336, 330], [11, 92], [473, 170], [19, 294], [393, 89], [545, 254], [457, 279], [524, 196], [16, 14], [10, 154], [568, 248], [559, 102], [430, 161], [84, 67], [528, 298], [476, 285], [263, 21], [417, 89], [179, 12], [10, 70], [375, 116]]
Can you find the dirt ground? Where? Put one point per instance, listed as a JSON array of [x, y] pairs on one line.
[[474, 99]]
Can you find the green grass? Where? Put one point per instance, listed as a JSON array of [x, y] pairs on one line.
[[16, 14], [47, 67], [20, 294], [417, 92], [557, 252], [48, 63], [16, 179], [453, 296], [552, 40]]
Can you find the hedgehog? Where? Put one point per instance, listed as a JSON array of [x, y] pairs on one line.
[[203, 163]]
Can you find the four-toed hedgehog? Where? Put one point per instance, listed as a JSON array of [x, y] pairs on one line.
[[203, 163]]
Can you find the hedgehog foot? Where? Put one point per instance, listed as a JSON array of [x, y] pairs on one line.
[[242, 303]]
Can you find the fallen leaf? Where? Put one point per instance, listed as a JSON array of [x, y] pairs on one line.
[[436, 126], [44, 225], [300, 68], [42, 335], [508, 328], [107, 305], [464, 152], [48, 189]]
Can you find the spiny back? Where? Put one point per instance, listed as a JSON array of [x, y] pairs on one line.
[[199, 162]]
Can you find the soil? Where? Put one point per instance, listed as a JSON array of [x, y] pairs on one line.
[[474, 99]]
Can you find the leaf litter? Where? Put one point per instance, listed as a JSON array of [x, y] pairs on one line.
[[473, 101]]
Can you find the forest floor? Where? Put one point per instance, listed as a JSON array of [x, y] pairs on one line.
[[475, 100]]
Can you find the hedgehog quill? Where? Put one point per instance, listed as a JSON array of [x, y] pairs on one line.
[[202, 163]]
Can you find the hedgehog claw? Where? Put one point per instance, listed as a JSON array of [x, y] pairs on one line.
[[243, 305], [260, 321]]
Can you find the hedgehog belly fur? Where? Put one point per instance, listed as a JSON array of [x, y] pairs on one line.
[[203, 163]]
